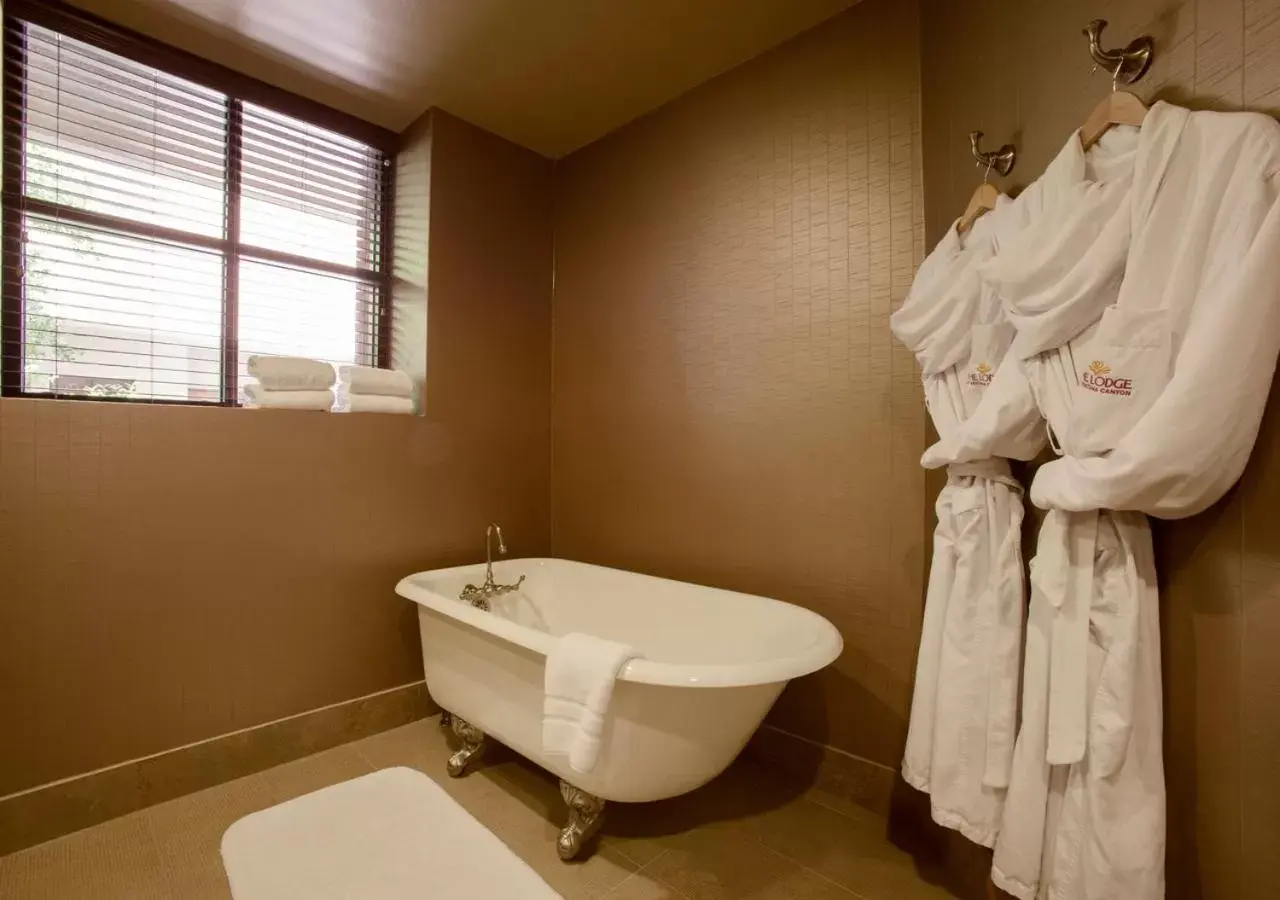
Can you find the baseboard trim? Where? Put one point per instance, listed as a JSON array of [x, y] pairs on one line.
[[840, 776], [47, 811]]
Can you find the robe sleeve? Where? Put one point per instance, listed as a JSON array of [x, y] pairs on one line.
[[1006, 423], [1193, 443]]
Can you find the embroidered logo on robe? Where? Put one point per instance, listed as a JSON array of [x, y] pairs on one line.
[[981, 375], [1098, 378]]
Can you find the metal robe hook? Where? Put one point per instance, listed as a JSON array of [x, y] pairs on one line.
[[1127, 65], [1001, 160]]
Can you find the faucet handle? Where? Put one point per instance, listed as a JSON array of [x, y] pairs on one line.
[[508, 588], [476, 596]]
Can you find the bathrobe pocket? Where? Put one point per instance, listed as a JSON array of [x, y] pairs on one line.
[[1123, 369]]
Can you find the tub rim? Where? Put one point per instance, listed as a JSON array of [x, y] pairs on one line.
[[825, 646]]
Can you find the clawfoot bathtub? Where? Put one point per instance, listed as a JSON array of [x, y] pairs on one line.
[[713, 663]]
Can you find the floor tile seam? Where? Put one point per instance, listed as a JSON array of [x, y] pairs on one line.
[[644, 865], [763, 846], [827, 878], [678, 894], [810, 869], [835, 807], [608, 892]]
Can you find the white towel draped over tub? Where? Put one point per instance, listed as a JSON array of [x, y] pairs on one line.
[[580, 674]]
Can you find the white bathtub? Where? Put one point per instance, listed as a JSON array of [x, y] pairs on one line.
[[714, 662]]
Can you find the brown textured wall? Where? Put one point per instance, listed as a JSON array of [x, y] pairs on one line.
[[489, 325], [171, 573], [730, 407], [1021, 72]]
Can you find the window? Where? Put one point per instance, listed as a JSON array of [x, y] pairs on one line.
[[158, 231]]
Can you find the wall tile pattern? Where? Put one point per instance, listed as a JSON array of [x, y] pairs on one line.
[[730, 407]]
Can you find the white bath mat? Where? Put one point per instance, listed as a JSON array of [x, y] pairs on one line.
[[392, 835]]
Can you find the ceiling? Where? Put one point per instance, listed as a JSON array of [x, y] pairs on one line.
[[552, 75]]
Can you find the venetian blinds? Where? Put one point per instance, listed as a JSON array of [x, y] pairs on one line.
[[157, 232]]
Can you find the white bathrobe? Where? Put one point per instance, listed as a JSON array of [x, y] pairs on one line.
[[964, 709], [1145, 289]]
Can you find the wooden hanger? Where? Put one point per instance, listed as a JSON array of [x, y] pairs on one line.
[[982, 202], [985, 197], [1118, 108]]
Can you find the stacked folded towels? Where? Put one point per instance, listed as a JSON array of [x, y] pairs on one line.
[[290, 382], [364, 389]]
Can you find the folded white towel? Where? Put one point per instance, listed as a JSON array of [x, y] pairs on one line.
[[580, 674], [291, 373], [263, 398], [366, 380], [374, 403]]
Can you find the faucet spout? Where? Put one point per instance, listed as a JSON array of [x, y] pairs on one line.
[[480, 596], [494, 529]]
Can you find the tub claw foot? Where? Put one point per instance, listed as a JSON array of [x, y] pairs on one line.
[[472, 745], [586, 812]]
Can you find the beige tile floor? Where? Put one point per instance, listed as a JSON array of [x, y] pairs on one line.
[[744, 836]]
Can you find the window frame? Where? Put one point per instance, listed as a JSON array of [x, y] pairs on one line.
[[239, 90]]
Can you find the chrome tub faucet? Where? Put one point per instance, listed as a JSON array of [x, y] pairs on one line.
[[479, 597]]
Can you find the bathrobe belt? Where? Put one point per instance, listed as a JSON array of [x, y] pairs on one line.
[[1063, 574], [1003, 689], [993, 469]]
